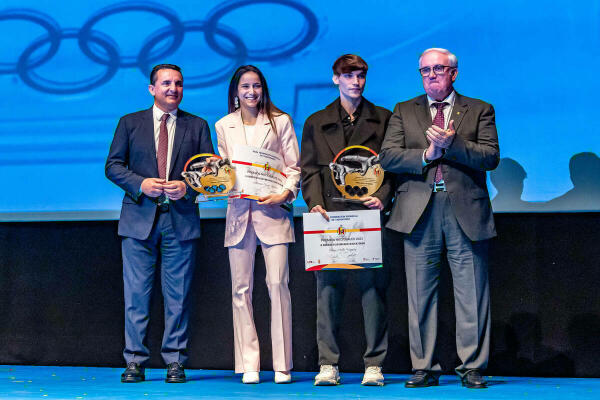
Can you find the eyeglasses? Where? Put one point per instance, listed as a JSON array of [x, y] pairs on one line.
[[437, 69]]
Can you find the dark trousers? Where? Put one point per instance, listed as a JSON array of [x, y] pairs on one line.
[[331, 287], [140, 261], [468, 263]]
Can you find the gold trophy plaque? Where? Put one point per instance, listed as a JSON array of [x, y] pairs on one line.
[[356, 172], [209, 175]]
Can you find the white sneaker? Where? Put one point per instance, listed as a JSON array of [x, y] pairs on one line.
[[283, 377], [328, 376], [250, 377], [372, 377]]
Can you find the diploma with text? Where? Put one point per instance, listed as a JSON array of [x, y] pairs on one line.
[[259, 172], [349, 240]]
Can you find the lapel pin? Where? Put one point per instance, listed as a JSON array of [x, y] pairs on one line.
[[458, 113]]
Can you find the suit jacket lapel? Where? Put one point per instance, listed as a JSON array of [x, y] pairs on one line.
[[332, 128], [261, 130], [236, 129], [180, 131], [423, 113], [459, 111], [148, 142]]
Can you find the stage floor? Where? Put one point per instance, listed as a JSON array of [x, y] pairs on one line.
[[86, 383]]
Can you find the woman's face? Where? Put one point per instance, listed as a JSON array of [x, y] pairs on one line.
[[249, 90]]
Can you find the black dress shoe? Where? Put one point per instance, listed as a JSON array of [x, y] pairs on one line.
[[422, 378], [473, 380], [175, 373], [133, 373]]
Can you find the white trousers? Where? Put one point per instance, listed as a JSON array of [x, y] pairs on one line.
[[241, 262]]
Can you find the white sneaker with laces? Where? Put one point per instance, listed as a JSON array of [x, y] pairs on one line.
[[372, 376], [328, 376], [250, 377], [283, 377]]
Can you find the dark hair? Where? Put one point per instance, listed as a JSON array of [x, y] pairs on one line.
[[162, 66], [508, 170], [348, 63], [264, 105], [582, 167]]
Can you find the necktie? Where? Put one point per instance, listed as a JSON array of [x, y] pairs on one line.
[[163, 147], [438, 120]]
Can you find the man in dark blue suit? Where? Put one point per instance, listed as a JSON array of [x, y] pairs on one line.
[[159, 218]]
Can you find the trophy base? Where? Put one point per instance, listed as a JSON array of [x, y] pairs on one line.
[[343, 200], [203, 199]]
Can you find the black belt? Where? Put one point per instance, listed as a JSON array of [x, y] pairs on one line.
[[161, 203]]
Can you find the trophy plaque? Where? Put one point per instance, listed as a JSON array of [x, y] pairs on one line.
[[356, 172], [209, 175]]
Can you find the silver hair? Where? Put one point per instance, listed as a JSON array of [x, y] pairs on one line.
[[451, 57]]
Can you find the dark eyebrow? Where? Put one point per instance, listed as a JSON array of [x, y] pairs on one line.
[[167, 81]]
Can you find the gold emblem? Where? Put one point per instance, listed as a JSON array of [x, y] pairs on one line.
[[209, 175], [356, 172]]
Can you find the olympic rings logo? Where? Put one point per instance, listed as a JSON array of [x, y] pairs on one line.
[[154, 49]]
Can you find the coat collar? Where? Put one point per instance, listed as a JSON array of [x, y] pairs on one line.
[[332, 112], [331, 124]]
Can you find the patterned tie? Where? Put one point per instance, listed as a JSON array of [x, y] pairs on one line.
[[438, 120], [163, 147]]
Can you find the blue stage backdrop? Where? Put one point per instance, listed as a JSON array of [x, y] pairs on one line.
[[70, 69]]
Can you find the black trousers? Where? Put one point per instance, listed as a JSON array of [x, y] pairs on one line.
[[331, 286]]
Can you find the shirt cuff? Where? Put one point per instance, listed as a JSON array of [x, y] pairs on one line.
[[424, 160]]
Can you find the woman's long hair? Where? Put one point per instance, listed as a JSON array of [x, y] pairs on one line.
[[264, 105]]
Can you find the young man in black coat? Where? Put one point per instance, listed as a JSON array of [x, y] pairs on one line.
[[349, 120]]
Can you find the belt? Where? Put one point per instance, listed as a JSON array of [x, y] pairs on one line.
[[439, 187], [162, 207], [161, 203]]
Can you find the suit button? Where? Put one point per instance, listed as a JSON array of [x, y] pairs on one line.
[[328, 194]]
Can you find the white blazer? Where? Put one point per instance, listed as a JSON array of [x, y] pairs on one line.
[[272, 224]]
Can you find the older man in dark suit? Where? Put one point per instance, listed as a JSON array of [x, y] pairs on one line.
[[159, 218], [441, 144]]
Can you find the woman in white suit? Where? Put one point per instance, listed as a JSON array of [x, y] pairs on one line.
[[254, 121]]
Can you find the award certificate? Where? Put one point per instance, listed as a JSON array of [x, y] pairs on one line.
[[350, 240], [259, 172]]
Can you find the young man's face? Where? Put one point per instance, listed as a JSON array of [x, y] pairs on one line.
[[351, 84]]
